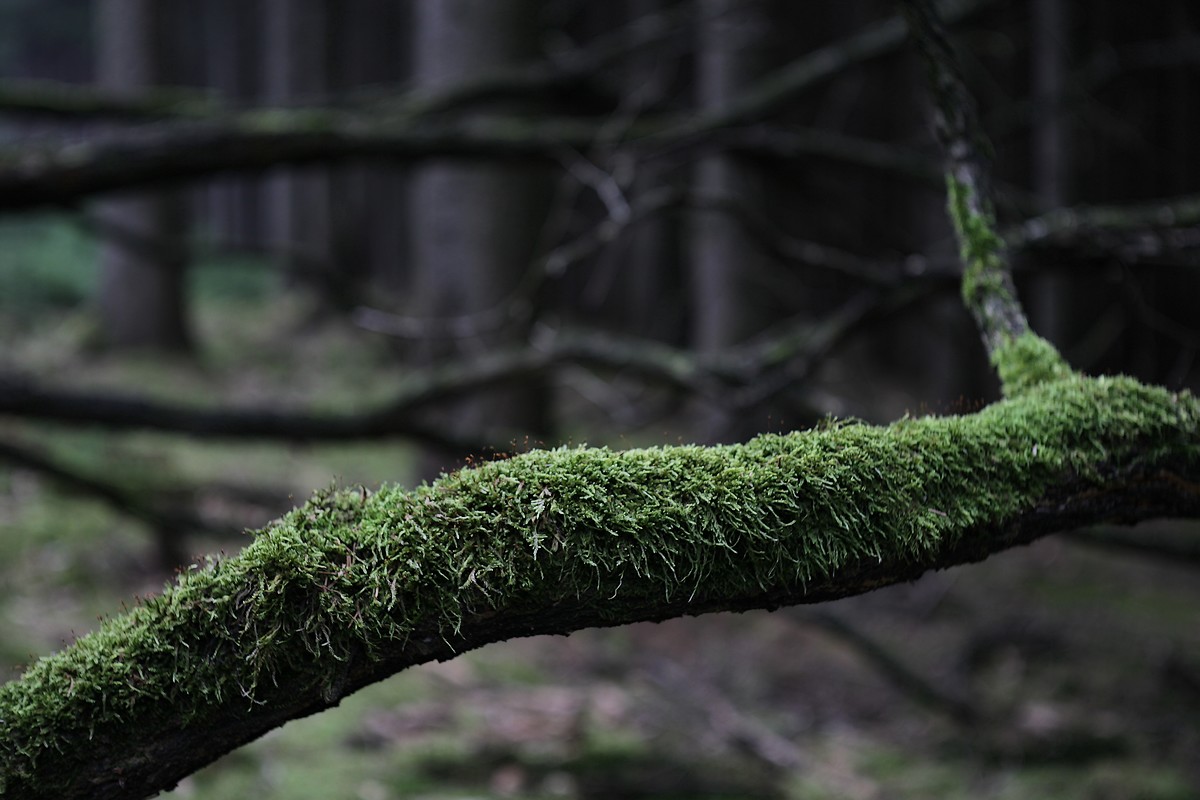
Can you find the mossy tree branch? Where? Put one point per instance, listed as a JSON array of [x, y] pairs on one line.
[[1022, 358], [352, 586]]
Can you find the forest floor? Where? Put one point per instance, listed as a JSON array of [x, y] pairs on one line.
[[1058, 670]]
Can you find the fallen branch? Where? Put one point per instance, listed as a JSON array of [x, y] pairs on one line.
[[124, 500], [737, 377], [903, 677], [353, 587], [200, 145]]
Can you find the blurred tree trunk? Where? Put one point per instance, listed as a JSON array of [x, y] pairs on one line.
[[722, 262], [1051, 156], [231, 66], [296, 47], [638, 275], [143, 258], [475, 227], [373, 196]]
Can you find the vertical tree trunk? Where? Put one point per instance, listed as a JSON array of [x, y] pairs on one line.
[[722, 259], [232, 66], [1051, 161], [296, 67], [144, 257], [639, 273], [475, 227], [372, 196]]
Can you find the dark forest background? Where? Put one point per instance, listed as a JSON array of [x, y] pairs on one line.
[[739, 228]]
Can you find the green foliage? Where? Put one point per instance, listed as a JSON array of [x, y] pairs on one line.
[[590, 528]]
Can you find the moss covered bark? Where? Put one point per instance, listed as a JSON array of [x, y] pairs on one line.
[[353, 586]]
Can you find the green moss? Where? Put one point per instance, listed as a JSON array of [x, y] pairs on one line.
[[595, 530], [1021, 358], [1027, 361], [981, 247]]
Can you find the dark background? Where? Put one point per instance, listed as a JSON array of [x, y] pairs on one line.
[[654, 286]]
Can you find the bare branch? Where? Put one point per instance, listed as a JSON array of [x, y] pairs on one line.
[[1164, 228], [116, 496], [906, 679], [72, 101], [54, 99], [23, 397], [779, 89], [39, 175], [408, 129], [736, 377]]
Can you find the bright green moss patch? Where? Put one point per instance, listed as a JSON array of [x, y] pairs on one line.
[[981, 247], [1026, 361], [601, 532]]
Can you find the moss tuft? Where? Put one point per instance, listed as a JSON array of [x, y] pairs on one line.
[[1027, 361], [981, 247]]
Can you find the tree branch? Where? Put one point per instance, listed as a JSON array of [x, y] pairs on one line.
[[202, 144], [779, 89], [24, 398], [902, 676], [122, 499], [73, 101], [76, 102], [352, 587], [1179, 547], [738, 377], [1156, 229], [1021, 358], [38, 176]]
